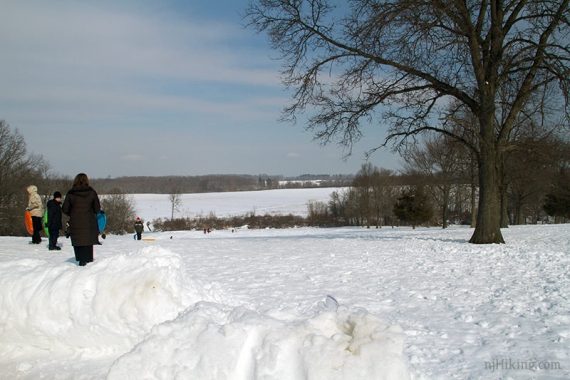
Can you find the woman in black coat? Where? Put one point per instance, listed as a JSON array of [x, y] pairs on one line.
[[82, 205]]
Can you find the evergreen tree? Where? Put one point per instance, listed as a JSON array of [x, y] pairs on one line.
[[413, 207]]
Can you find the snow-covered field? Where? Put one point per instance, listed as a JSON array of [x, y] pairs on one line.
[[280, 201], [420, 304]]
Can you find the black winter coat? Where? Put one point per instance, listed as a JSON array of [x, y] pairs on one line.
[[54, 215], [82, 205]]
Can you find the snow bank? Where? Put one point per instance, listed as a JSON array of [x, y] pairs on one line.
[[106, 306], [146, 316], [211, 341]]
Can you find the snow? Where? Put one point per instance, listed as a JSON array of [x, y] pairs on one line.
[[278, 201], [305, 303]]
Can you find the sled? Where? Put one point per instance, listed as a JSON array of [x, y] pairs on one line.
[[102, 223], [45, 223], [28, 222]]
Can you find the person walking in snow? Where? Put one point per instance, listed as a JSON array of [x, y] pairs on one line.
[[36, 209], [54, 223], [82, 205], [139, 228]]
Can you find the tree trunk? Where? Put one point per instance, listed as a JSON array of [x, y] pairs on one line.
[[473, 193], [504, 208], [446, 191], [503, 194], [378, 218], [488, 228], [518, 213]]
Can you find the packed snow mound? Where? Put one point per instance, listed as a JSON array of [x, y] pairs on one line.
[[108, 305], [213, 341]]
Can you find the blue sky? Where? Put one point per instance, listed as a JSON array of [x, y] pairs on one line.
[[154, 88]]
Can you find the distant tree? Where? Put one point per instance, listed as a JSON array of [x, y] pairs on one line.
[[466, 121], [56, 182], [532, 166], [362, 185], [175, 199], [383, 196], [413, 207], [405, 60], [120, 212], [557, 201], [352, 211], [318, 214], [338, 205], [441, 159]]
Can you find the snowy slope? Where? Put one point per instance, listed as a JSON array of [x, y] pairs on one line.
[[253, 304], [279, 201]]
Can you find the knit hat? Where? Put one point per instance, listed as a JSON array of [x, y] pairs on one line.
[[57, 194]]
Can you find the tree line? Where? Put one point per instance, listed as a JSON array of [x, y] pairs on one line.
[[439, 185], [213, 183]]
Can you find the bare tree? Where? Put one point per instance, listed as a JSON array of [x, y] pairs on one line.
[[415, 57], [530, 170], [384, 194], [120, 210], [175, 199], [362, 185], [18, 169], [441, 159]]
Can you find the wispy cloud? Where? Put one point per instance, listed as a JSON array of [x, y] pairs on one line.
[[71, 55]]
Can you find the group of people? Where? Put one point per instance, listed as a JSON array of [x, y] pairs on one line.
[[81, 204]]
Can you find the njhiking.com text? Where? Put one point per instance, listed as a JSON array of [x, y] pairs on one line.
[[510, 364]]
